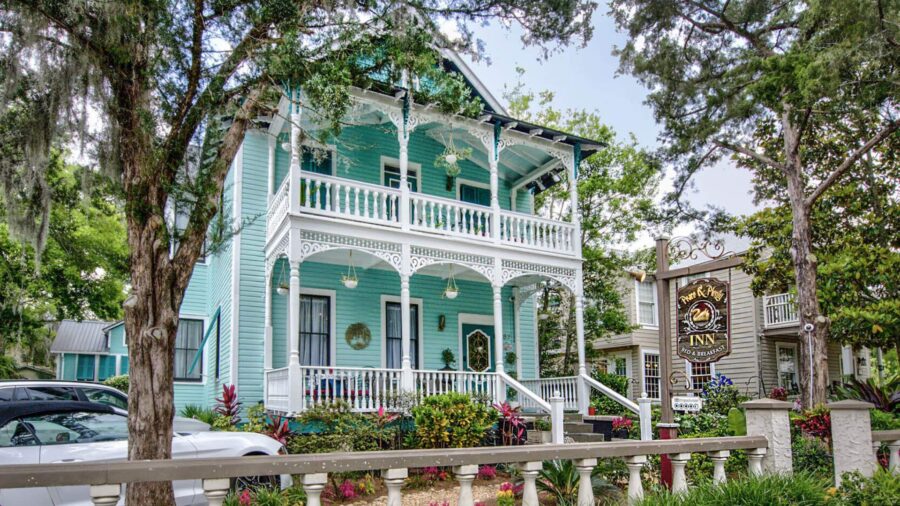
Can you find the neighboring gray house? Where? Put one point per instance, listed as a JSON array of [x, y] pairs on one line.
[[765, 343]]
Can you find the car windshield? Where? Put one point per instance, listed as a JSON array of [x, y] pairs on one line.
[[108, 397], [78, 427]]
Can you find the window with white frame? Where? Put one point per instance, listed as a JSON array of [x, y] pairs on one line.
[[700, 374], [187, 347], [651, 374], [646, 303], [788, 367]]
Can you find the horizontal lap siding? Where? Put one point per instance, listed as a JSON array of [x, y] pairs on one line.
[[363, 304]]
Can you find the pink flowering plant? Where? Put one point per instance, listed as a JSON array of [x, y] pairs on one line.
[[506, 496], [486, 472]]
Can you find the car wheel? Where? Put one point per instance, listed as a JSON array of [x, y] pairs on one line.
[[254, 482]]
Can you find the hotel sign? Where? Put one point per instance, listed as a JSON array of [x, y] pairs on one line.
[[703, 321]]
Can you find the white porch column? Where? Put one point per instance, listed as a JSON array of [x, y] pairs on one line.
[[583, 391], [403, 132], [294, 387], [267, 318], [498, 341], [517, 304], [294, 187], [405, 329], [494, 160]]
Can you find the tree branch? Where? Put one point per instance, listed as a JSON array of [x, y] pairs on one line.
[[850, 160], [759, 157]]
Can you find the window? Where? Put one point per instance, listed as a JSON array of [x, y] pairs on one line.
[[123, 364], [700, 374], [392, 177], [51, 393], [620, 366], [788, 366], [651, 374], [646, 299], [187, 346], [104, 396], [77, 427], [84, 370], [6, 394], [394, 341], [317, 160], [107, 367], [474, 194], [315, 330], [16, 433]]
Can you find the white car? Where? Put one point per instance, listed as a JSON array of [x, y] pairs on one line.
[[36, 432], [25, 390]]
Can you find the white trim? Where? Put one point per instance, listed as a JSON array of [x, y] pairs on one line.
[[332, 319], [96, 366], [637, 306], [473, 319], [689, 370], [237, 201], [537, 343], [204, 362], [412, 301], [614, 355], [644, 352], [118, 365], [787, 345], [410, 167]]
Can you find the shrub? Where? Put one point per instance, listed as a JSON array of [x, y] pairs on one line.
[[603, 404], [560, 480], [512, 426], [815, 422], [720, 395], [771, 490], [452, 420], [196, 412], [884, 394], [882, 489], [812, 456], [120, 382], [779, 394], [884, 421], [506, 496], [487, 472]]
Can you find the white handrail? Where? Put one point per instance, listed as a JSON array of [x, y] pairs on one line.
[[520, 388], [612, 394]]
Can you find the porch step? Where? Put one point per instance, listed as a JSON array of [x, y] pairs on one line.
[[572, 417], [586, 437], [579, 427]]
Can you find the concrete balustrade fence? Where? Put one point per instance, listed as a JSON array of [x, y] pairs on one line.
[[106, 478]]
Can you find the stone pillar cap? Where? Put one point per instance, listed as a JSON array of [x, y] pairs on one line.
[[767, 404], [849, 404]]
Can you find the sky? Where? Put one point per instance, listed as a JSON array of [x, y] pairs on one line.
[[585, 78]]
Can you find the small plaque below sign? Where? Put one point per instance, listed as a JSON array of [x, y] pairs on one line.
[[687, 404]]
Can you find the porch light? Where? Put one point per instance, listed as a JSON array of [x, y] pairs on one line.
[[452, 291], [350, 280]]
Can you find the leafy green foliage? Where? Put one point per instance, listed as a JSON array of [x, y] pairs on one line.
[[882, 489], [559, 479], [8, 368], [452, 420], [205, 415], [120, 382], [774, 490], [884, 394], [720, 395], [884, 421], [812, 456], [616, 188], [605, 405]]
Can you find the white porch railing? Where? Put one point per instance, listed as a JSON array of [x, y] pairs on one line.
[[546, 388], [278, 208], [365, 390], [278, 389], [349, 199], [449, 217], [477, 384], [780, 310], [536, 232]]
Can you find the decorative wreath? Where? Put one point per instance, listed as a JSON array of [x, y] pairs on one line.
[[358, 336]]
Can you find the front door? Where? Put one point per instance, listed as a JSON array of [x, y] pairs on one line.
[[478, 348]]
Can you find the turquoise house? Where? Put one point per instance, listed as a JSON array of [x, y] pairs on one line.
[[363, 262], [89, 350]]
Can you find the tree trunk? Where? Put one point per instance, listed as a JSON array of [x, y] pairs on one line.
[[814, 344]]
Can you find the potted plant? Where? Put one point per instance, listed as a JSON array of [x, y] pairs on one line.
[[449, 160], [541, 432], [592, 409], [448, 358], [622, 427]]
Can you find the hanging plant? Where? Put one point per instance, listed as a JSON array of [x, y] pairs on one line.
[[452, 291], [282, 288], [449, 159], [350, 280]]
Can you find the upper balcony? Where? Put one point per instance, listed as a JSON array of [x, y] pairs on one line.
[[354, 201], [780, 310], [390, 156]]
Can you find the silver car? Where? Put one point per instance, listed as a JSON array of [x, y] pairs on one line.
[[25, 390]]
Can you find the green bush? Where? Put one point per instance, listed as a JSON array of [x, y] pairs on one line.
[[812, 456], [882, 489], [720, 395], [196, 412], [603, 404], [452, 420], [349, 441], [333, 427], [120, 382], [884, 421], [770, 490]]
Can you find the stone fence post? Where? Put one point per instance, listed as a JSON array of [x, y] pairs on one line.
[[851, 438], [768, 417]]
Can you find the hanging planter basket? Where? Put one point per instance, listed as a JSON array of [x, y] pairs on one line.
[[350, 280], [451, 291]]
